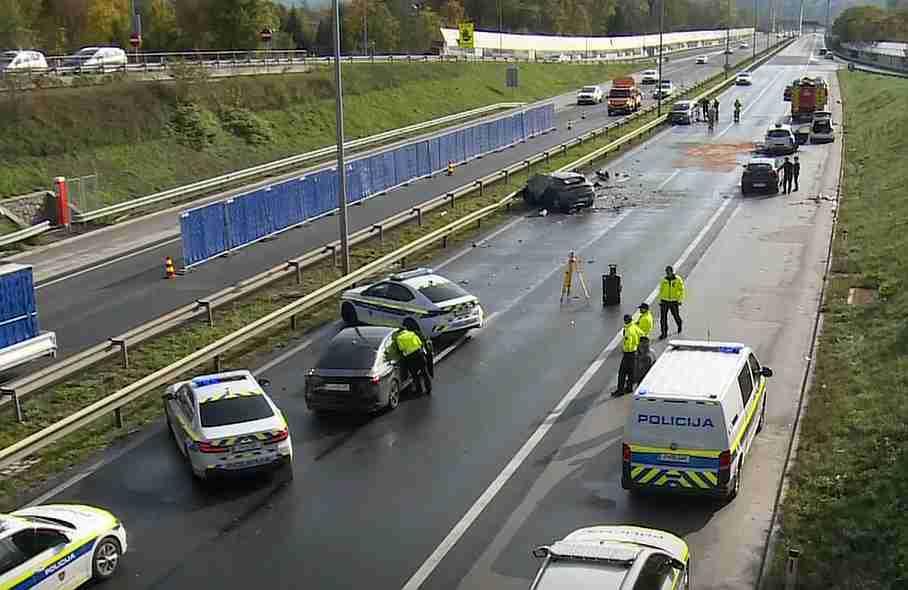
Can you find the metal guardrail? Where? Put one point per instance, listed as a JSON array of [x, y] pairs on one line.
[[157, 380], [24, 234], [263, 169]]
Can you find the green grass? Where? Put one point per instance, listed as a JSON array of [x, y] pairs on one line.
[[124, 131], [846, 505]]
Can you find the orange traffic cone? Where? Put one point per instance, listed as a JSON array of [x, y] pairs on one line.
[[169, 268]]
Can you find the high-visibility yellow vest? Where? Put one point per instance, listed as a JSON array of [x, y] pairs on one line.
[[631, 338], [645, 323], [407, 342], [672, 290]]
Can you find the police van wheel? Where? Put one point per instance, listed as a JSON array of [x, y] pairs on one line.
[[348, 314], [106, 559]]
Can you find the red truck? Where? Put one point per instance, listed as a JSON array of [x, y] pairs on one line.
[[808, 96], [624, 97]]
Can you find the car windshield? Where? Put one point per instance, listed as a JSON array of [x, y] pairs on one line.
[[588, 89], [778, 133], [235, 410], [619, 93], [442, 291], [681, 107], [7, 58], [759, 167], [822, 126], [582, 575]]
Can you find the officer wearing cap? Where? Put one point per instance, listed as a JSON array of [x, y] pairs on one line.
[[645, 321], [631, 342]]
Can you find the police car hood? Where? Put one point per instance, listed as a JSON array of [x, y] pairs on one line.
[[84, 518]]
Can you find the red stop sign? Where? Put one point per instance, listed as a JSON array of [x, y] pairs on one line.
[[266, 35], [135, 40]]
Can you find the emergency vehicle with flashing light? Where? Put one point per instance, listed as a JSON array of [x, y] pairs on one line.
[[225, 423], [694, 419], [59, 546]]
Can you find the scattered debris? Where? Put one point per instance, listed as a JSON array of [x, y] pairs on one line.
[[861, 296]]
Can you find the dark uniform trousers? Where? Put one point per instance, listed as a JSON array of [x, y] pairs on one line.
[[627, 372], [416, 366], [664, 308]]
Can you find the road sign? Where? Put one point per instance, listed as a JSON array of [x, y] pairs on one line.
[[265, 35], [135, 40], [465, 41], [512, 76]]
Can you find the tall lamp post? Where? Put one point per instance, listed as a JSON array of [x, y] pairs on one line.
[[661, 27], [755, 31], [727, 34], [341, 165]]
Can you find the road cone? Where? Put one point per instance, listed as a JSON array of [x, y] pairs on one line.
[[169, 268]]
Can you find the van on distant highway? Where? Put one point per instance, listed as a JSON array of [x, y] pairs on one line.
[[97, 57], [22, 61]]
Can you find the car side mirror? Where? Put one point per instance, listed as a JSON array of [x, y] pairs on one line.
[[766, 372], [265, 382], [541, 552]]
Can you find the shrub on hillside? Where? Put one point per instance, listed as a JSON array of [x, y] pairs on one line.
[[194, 126], [247, 125]]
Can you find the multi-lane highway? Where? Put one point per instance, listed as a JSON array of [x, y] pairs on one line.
[[117, 295], [520, 442]]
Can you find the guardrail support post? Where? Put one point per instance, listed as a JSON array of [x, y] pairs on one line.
[[124, 350], [333, 250], [791, 569], [207, 305], [293, 322], [451, 196], [381, 232], [217, 364], [15, 397], [480, 184], [299, 270], [527, 163], [118, 418], [444, 241], [507, 177], [563, 149], [546, 154], [418, 212]]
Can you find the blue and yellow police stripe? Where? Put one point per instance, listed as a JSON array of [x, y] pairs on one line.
[[52, 566]]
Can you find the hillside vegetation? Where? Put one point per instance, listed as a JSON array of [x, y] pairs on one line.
[[845, 508], [144, 137]]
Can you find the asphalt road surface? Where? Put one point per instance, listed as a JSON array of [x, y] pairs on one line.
[[89, 307], [521, 420]]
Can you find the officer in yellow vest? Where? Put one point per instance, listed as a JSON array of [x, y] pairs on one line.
[[671, 296], [645, 321], [630, 343], [414, 356]]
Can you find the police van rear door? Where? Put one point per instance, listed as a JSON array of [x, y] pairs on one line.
[[675, 443]]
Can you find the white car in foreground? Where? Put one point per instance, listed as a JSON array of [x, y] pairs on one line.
[[58, 547], [614, 558], [744, 79], [702, 59], [589, 95], [649, 77], [225, 423], [438, 305]]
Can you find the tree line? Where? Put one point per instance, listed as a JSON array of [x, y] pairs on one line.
[[871, 23], [61, 26]]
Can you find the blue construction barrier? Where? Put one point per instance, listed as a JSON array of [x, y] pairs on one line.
[[220, 227]]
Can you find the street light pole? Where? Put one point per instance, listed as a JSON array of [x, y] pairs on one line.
[[755, 31], [341, 165], [365, 27], [727, 34], [661, 26]]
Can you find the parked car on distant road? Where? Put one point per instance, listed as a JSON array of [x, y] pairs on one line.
[[590, 95], [97, 57], [614, 558], [683, 112], [438, 305], [744, 79], [821, 130], [649, 77], [559, 191], [743, 45], [702, 59], [760, 175], [780, 140], [357, 372], [665, 89], [22, 61]]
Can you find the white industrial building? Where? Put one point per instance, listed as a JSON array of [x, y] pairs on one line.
[[544, 46]]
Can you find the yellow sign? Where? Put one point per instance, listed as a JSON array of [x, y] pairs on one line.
[[465, 40]]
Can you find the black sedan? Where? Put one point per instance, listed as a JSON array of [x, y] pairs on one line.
[[760, 175], [356, 373]]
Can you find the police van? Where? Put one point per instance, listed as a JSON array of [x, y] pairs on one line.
[[694, 418]]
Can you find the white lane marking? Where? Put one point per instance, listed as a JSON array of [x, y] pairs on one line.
[[298, 348], [426, 569], [668, 180], [105, 264], [487, 238]]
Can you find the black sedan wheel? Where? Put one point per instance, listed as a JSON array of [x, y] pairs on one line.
[[393, 395]]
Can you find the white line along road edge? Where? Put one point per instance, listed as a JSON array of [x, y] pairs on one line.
[[426, 569]]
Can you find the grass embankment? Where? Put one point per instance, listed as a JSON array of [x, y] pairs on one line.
[[846, 504], [142, 137], [104, 379]]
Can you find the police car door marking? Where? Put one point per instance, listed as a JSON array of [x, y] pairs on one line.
[[42, 574]]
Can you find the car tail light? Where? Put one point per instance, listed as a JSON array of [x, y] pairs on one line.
[[280, 436], [626, 453], [376, 379], [205, 447], [724, 466]]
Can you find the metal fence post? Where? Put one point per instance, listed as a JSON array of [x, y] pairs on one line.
[[299, 270], [451, 196], [207, 305], [121, 342], [15, 397], [217, 364], [381, 232], [118, 418], [418, 212], [791, 569]]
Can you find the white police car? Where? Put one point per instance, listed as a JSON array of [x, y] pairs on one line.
[[226, 423], [59, 546], [614, 558], [438, 305], [694, 418]]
